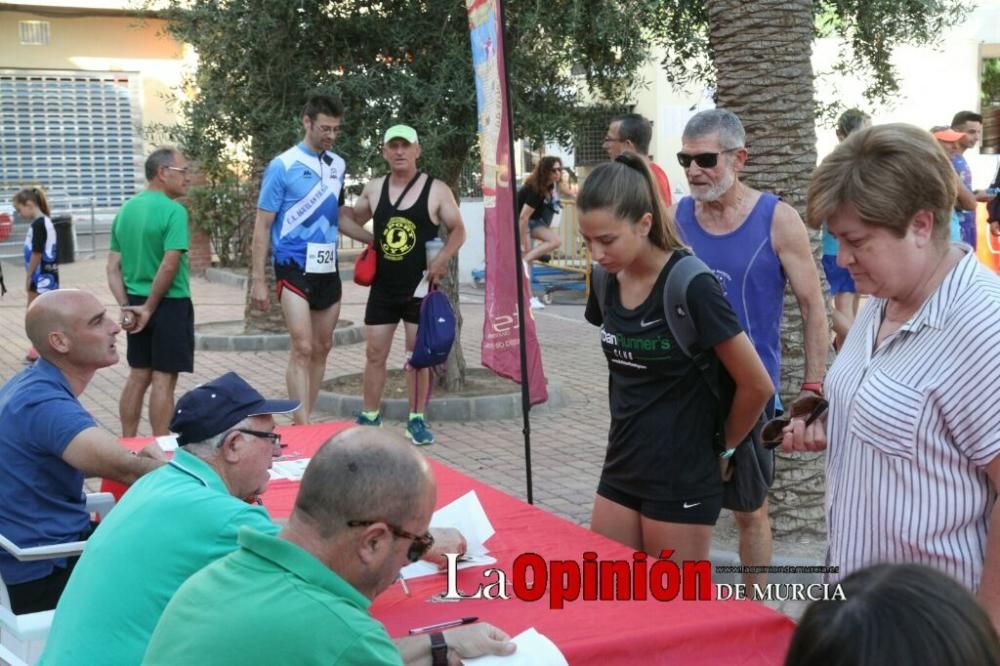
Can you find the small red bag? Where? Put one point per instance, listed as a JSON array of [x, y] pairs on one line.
[[364, 266]]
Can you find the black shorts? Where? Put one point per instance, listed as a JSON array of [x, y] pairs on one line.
[[167, 342], [320, 290], [388, 309], [693, 511]]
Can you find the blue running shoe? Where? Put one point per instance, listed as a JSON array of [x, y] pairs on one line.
[[419, 434], [363, 420]]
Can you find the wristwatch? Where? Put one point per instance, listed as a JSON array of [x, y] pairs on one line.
[[439, 649]]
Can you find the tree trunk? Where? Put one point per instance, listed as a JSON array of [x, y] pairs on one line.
[[762, 55], [272, 320]]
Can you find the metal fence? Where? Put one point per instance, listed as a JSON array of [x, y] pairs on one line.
[[91, 224]]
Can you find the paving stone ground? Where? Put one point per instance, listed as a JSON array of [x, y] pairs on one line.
[[567, 445]]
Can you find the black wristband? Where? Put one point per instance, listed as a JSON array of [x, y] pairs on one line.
[[439, 649]]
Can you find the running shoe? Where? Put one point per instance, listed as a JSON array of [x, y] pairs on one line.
[[363, 420], [419, 434], [536, 304]]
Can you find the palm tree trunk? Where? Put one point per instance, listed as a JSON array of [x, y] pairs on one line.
[[764, 73]]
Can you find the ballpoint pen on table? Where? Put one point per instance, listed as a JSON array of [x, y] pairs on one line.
[[448, 624], [402, 581]]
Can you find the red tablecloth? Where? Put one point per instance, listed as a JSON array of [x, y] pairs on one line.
[[588, 632]]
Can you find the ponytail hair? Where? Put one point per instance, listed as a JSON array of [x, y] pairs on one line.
[[627, 188], [36, 196]]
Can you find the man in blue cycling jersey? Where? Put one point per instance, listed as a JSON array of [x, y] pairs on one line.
[[299, 212]]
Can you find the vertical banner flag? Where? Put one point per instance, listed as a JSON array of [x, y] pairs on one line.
[[501, 349]]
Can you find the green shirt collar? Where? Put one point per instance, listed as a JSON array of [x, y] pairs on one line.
[[192, 465], [300, 563]]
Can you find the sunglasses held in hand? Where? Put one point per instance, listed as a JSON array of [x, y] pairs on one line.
[[809, 407]]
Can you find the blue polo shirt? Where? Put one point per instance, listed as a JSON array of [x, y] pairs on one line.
[[41, 495]]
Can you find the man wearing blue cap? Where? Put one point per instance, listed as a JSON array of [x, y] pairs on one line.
[[408, 208], [170, 524]]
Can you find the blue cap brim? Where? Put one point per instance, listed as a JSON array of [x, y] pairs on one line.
[[275, 407]]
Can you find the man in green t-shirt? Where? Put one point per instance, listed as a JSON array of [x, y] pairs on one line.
[[148, 276], [302, 597]]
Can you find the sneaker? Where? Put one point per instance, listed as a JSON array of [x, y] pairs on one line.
[[32, 355], [363, 420], [419, 433], [536, 304]]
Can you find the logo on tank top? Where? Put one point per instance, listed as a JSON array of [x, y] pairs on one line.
[[398, 239], [724, 279]]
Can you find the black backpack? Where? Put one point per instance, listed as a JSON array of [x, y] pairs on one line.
[[752, 464]]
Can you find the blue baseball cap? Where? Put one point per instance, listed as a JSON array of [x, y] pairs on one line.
[[213, 408]]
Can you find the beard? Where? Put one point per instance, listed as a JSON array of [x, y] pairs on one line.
[[707, 194]]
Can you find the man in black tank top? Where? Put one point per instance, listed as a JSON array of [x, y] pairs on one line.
[[407, 208]]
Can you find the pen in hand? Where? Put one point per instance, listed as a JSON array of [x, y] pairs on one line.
[[448, 624]]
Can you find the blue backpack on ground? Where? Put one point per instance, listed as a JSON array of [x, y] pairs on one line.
[[435, 331]]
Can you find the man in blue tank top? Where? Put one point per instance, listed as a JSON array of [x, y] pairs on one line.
[[754, 243], [299, 212]]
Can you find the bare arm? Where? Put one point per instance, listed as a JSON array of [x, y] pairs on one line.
[[966, 199], [258, 258], [753, 386], [474, 640], [989, 586], [445, 211], [349, 227], [161, 284], [363, 206], [115, 281], [791, 244], [96, 452]]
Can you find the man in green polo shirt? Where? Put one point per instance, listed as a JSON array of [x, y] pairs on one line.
[[169, 524], [148, 276], [302, 597]]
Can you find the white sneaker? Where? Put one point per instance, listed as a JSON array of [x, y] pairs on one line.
[[536, 304]]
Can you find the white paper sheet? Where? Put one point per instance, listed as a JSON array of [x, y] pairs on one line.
[[533, 649], [467, 515], [167, 442], [422, 288], [291, 470]]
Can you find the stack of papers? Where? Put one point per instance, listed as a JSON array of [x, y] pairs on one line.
[[167, 442], [533, 649], [465, 514], [292, 470]]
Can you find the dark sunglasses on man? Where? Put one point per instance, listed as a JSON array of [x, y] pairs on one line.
[[419, 547], [809, 407], [703, 160]]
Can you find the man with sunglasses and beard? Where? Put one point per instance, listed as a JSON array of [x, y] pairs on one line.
[[302, 597], [754, 243]]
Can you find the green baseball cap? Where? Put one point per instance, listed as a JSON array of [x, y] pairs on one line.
[[404, 132]]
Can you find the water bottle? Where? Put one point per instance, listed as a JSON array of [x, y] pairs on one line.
[[433, 248]]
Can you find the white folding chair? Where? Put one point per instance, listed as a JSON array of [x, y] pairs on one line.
[[22, 637]]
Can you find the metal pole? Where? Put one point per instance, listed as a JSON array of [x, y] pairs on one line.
[[93, 228], [519, 270]]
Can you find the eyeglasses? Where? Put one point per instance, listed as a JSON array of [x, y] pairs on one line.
[[181, 169], [611, 139], [274, 437], [703, 160], [419, 547], [811, 407]]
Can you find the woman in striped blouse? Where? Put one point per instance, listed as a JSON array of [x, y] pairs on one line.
[[913, 451]]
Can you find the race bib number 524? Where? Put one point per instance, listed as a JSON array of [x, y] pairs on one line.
[[321, 258]]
